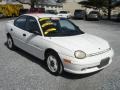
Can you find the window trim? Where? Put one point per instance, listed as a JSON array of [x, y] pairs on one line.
[[27, 16], [40, 33], [82, 32]]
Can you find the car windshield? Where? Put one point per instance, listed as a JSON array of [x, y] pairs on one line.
[[77, 11], [64, 12], [56, 27], [51, 11]]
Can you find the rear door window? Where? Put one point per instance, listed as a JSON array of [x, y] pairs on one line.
[[20, 22]]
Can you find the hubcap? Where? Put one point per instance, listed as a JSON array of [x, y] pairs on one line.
[[9, 42], [52, 63]]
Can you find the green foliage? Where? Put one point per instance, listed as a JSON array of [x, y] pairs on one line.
[[60, 1], [33, 2], [95, 3], [100, 4]]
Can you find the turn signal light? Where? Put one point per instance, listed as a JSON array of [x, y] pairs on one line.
[[67, 61]]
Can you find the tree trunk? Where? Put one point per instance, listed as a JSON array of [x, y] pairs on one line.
[[109, 9], [33, 3]]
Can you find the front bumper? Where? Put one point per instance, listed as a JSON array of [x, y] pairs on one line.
[[87, 65]]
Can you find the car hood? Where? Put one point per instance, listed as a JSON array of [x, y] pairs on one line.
[[84, 42]]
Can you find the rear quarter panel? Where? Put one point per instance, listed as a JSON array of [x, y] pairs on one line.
[[8, 26]]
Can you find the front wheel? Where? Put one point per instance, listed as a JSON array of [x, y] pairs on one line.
[[54, 64]]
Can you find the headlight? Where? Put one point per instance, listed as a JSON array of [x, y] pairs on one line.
[[80, 54]]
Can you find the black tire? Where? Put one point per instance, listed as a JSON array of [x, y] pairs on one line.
[[98, 18], [10, 43], [54, 61]]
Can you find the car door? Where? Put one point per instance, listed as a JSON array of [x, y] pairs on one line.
[[33, 38], [18, 31], [24, 37]]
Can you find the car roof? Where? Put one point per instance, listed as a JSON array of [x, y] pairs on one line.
[[41, 15]]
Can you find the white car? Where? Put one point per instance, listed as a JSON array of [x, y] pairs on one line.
[[64, 14], [59, 42]]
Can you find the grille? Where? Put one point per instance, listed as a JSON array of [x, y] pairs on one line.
[[98, 53], [103, 63]]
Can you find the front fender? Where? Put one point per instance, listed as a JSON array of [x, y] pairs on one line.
[[58, 48]]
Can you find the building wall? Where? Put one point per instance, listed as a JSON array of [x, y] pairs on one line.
[[26, 6], [71, 6], [53, 8]]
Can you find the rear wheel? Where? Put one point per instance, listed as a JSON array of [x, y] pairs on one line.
[[10, 43], [54, 63]]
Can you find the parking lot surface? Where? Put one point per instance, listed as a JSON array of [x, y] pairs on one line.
[[22, 71]]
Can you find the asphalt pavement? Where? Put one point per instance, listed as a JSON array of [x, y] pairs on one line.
[[22, 71]]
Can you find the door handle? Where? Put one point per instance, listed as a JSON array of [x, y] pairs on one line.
[[24, 34]]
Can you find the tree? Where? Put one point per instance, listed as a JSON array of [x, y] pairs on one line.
[[99, 4], [109, 9], [116, 4], [32, 3], [60, 1]]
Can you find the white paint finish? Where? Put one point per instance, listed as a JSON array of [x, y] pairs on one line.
[[64, 15], [64, 46]]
